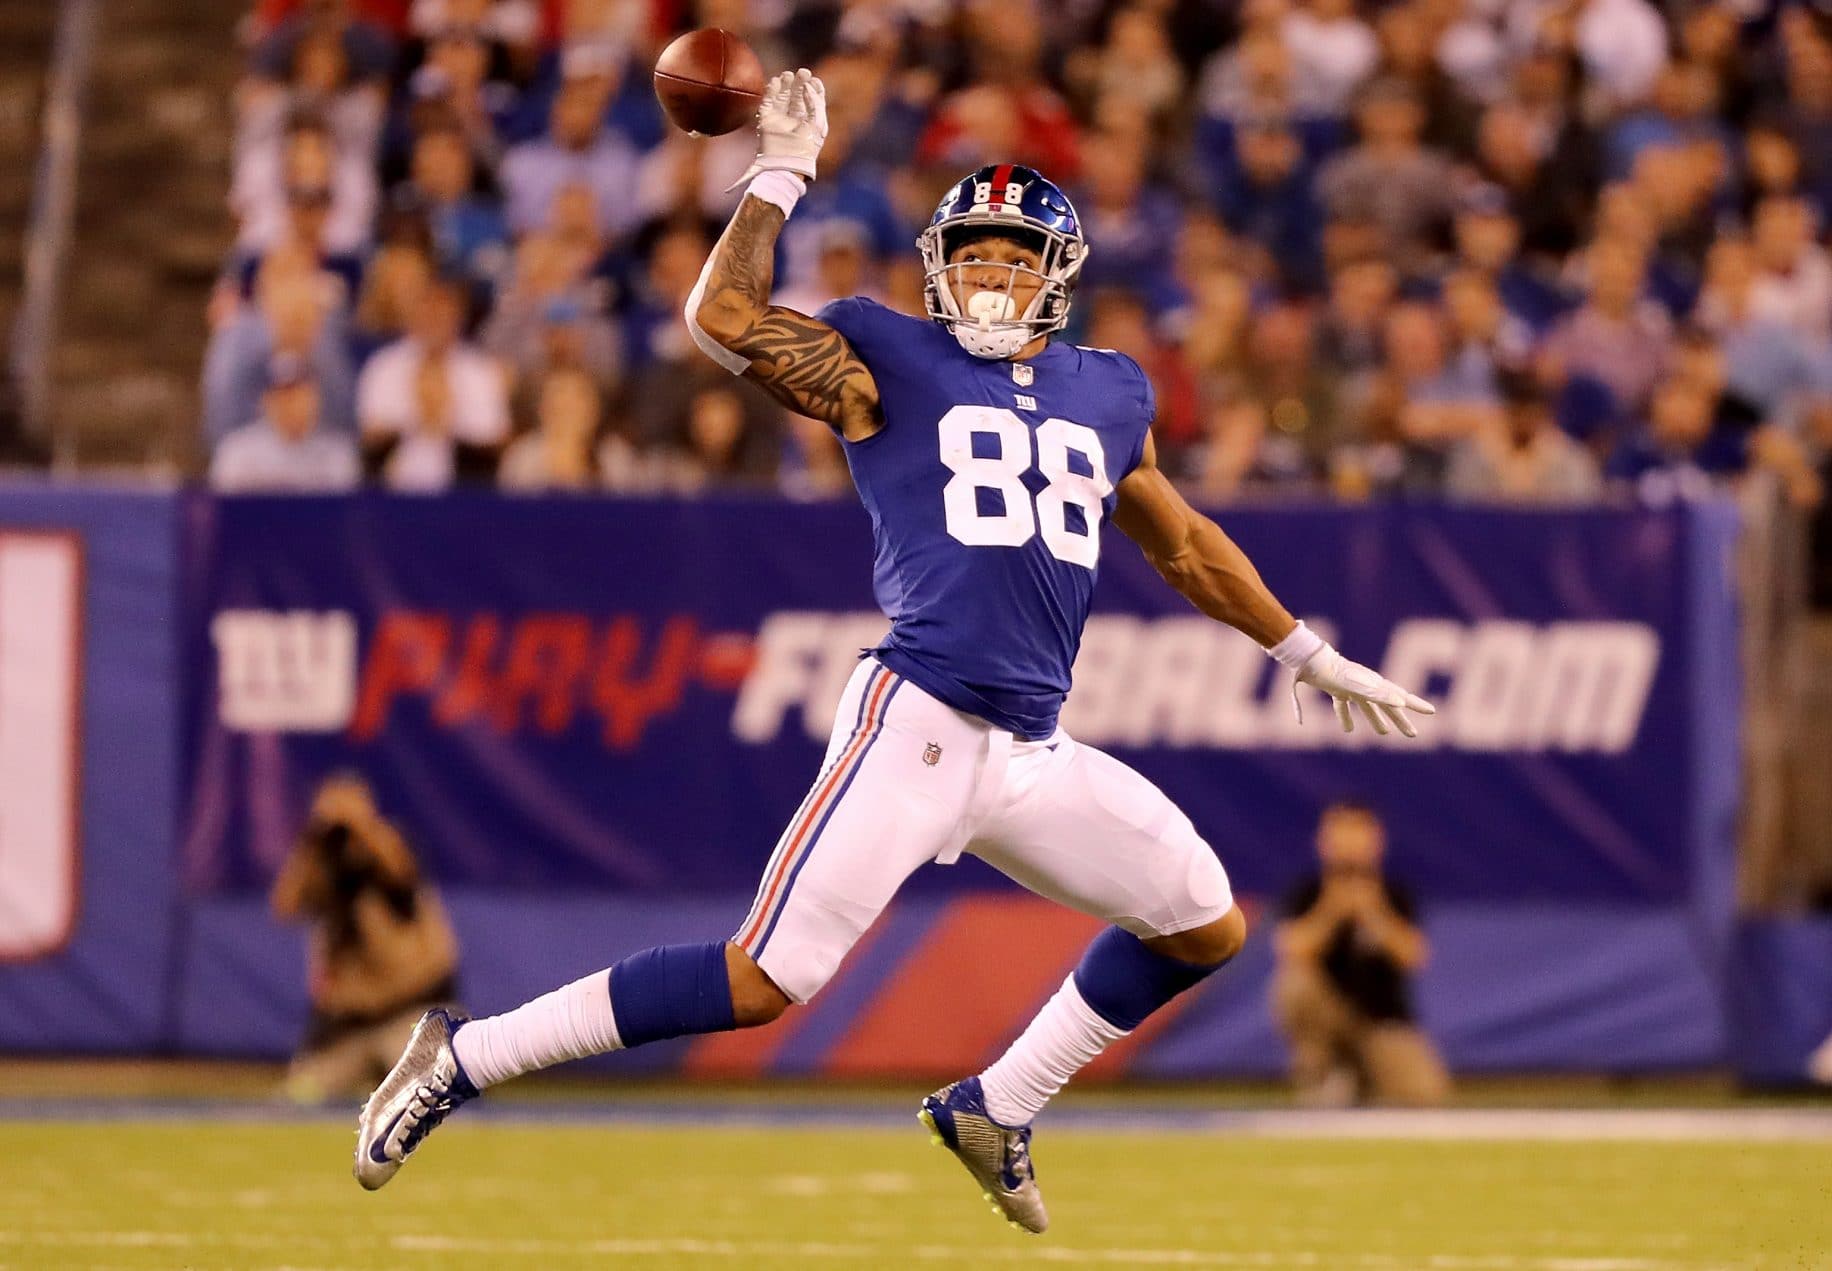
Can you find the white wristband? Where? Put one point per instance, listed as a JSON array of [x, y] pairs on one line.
[[779, 189], [1297, 648]]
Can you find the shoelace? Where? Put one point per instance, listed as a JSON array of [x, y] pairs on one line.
[[429, 1107], [1017, 1157]]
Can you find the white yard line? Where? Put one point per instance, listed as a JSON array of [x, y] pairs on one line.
[[1537, 1124], [864, 1254], [876, 1255]]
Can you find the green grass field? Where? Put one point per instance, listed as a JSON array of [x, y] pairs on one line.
[[511, 1196]]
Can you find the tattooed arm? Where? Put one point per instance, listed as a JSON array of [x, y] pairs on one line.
[[801, 362]]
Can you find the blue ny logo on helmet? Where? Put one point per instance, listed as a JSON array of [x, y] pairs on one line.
[[1010, 201]]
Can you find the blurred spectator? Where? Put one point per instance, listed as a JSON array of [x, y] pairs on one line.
[[286, 449], [1389, 180], [1009, 112], [1297, 396], [510, 22], [1215, 326], [1467, 49], [1682, 108], [724, 443], [814, 463], [1134, 221], [1685, 453], [351, 24], [1332, 51], [558, 453], [1257, 76], [1488, 239], [843, 267], [1274, 429], [1408, 54], [1793, 282], [1767, 362], [1434, 402], [687, 177], [1348, 946], [577, 150], [1622, 43], [1527, 459], [1485, 339], [853, 188], [1135, 61], [1773, 166], [1360, 292], [305, 161], [433, 407], [397, 278], [381, 949], [452, 90], [1616, 338], [1549, 190], [547, 319], [653, 331], [468, 231], [1266, 196], [291, 314]]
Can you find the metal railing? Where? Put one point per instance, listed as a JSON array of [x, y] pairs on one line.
[[1784, 840], [48, 228]]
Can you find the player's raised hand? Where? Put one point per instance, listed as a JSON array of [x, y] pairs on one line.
[[791, 126], [1354, 686]]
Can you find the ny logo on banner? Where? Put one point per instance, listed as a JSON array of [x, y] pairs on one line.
[[285, 671], [41, 634]]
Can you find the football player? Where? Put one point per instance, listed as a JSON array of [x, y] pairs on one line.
[[989, 456]]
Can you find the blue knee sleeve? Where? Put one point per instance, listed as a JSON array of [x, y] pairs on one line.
[[1124, 981], [672, 990]]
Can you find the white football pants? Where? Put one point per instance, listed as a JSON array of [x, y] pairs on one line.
[[908, 780]]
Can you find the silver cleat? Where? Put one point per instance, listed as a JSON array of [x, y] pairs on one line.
[[424, 1087], [998, 1156]]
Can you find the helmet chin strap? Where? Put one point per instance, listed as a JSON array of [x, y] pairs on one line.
[[994, 341]]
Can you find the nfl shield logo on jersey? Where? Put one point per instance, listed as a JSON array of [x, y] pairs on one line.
[[1022, 375], [931, 754]]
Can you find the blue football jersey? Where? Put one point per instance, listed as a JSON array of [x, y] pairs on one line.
[[987, 487]]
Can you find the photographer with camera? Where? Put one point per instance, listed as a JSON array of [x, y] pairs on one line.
[[381, 950], [1348, 947]]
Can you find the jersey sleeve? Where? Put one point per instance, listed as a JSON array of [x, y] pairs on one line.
[[870, 328], [1147, 399]]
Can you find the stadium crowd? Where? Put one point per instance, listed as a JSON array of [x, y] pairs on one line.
[[1524, 250]]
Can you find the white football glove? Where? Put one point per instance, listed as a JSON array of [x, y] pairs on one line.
[[1350, 683], [791, 126]]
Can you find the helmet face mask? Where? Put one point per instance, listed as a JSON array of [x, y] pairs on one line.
[[1003, 201]]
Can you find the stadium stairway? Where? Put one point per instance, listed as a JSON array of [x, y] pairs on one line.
[[152, 227], [25, 41]]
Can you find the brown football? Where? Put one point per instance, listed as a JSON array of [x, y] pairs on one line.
[[709, 82]]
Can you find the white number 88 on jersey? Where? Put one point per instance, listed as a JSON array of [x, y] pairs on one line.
[[1003, 472]]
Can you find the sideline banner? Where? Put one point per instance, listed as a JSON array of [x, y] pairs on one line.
[[633, 695], [89, 704]]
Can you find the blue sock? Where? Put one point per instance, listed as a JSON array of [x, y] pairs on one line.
[[1124, 981], [673, 990]]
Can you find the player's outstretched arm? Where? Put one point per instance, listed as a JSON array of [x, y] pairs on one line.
[[1210, 570], [802, 362]]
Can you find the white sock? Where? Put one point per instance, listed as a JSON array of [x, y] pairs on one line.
[[569, 1023], [1059, 1043]]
